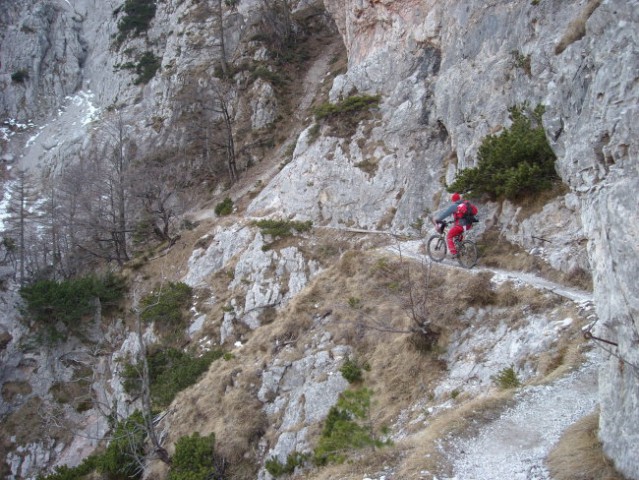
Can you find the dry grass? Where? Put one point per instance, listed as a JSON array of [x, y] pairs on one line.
[[577, 28], [497, 252], [536, 203], [565, 356], [224, 402], [10, 390], [351, 299], [578, 454]]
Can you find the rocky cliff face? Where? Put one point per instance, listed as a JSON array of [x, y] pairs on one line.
[[446, 73]]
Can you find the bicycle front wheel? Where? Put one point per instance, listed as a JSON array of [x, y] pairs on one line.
[[467, 254], [436, 248]]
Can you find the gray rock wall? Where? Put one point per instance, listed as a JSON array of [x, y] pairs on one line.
[[583, 62]]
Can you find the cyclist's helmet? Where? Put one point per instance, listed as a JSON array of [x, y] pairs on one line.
[[455, 197]]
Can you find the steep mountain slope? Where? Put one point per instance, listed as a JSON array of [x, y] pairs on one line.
[[291, 311]]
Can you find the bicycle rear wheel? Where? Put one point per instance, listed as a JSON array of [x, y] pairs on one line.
[[436, 248], [467, 254]]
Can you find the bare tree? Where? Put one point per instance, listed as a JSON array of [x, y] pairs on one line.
[[406, 285], [222, 107], [209, 110], [157, 183], [96, 198], [147, 412], [19, 225], [219, 15]]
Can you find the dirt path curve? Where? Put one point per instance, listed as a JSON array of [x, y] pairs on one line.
[[516, 445], [411, 248]]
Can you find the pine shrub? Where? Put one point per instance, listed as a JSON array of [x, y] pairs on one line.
[[137, 19], [352, 371], [194, 458], [507, 378], [71, 301], [347, 427], [170, 371], [349, 106], [146, 68], [125, 450], [224, 208], [20, 76], [277, 468], [282, 228], [167, 305], [515, 164]]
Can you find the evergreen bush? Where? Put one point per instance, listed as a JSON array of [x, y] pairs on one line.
[[349, 106], [507, 378], [167, 305], [352, 371], [282, 228], [347, 427], [170, 371], [194, 459], [224, 208], [277, 468], [146, 68], [20, 76], [122, 457], [137, 19], [79, 472], [265, 74], [515, 164], [71, 301], [120, 460]]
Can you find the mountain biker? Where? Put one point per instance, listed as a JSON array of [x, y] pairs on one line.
[[462, 220]]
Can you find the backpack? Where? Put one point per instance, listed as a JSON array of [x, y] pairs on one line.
[[465, 213]]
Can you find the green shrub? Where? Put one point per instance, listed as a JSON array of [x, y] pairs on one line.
[[347, 427], [224, 208], [352, 371], [507, 379], [63, 472], [514, 164], [170, 371], [277, 468], [194, 458], [167, 305], [126, 448], [71, 301], [282, 228], [20, 76], [146, 68], [265, 74], [137, 19], [348, 106]]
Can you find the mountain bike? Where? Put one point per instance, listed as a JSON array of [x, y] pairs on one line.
[[466, 249]]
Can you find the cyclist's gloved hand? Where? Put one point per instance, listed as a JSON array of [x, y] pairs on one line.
[[439, 227]]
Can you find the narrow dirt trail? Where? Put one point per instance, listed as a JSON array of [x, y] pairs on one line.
[[412, 248], [516, 445]]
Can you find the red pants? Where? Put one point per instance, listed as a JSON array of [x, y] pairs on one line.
[[452, 233]]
